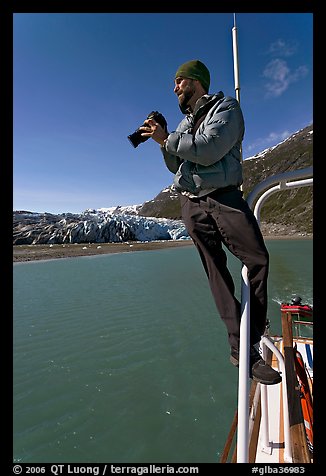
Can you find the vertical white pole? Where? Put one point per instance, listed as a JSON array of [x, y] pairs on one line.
[[243, 384], [236, 61], [265, 444], [236, 69]]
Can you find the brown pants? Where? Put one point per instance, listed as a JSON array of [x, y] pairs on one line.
[[225, 218]]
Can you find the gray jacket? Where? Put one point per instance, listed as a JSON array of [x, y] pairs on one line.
[[211, 158]]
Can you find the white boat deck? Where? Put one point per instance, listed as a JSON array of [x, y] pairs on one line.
[[274, 453]]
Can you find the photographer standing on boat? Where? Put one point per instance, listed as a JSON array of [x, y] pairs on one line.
[[204, 153]]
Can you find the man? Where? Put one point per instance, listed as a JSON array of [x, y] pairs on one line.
[[204, 154]]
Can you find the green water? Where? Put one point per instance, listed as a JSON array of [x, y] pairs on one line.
[[123, 358]]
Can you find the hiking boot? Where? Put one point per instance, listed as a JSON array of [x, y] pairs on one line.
[[258, 369], [264, 373]]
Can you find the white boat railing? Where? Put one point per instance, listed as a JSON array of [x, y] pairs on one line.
[[286, 180], [266, 442]]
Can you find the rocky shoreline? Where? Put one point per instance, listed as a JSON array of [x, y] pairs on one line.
[[23, 253], [46, 252]]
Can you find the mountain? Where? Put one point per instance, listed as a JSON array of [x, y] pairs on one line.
[[165, 204], [288, 211], [285, 213]]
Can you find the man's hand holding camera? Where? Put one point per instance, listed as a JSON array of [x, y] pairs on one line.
[[153, 129], [155, 126]]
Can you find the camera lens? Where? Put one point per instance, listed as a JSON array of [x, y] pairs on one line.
[[136, 138]]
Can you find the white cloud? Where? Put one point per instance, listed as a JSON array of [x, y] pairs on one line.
[[282, 48], [279, 76]]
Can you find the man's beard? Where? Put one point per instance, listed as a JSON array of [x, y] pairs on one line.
[[183, 103]]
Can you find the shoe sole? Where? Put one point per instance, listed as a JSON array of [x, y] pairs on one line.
[[235, 362], [267, 382]]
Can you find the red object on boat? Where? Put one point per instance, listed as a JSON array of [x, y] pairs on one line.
[[304, 310]]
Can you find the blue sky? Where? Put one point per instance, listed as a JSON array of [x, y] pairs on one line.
[[84, 81]]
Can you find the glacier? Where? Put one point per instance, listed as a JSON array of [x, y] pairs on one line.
[[106, 225]]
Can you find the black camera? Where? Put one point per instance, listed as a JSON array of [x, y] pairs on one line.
[[136, 138]]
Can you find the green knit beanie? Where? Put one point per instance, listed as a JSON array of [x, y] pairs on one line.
[[195, 69]]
